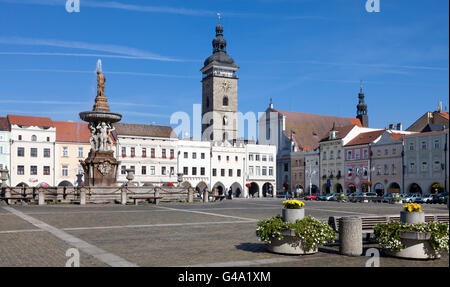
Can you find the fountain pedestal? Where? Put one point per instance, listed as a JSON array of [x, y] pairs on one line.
[[100, 168]]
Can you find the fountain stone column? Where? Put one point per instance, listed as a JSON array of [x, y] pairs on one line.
[[100, 167]]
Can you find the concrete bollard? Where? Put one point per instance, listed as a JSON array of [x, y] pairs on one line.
[[8, 195], [82, 197], [157, 194], [190, 198], [350, 236], [123, 197], [205, 196], [41, 197]]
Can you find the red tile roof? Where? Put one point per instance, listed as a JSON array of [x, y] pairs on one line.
[[444, 114], [309, 129], [342, 132], [365, 138], [30, 121], [396, 136], [72, 132]]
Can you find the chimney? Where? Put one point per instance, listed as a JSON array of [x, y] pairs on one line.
[[440, 106], [399, 126], [391, 126]]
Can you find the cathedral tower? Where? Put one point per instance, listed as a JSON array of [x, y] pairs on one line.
[[361, 109], [219, 93]]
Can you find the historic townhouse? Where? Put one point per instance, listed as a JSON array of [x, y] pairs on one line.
[[425, 156], [357, 163], [387, 163], [194, 162], [5, 156], [32, 150], [150, 151], [437, 117], [332, 157], [295, 131], [297, 172], [71, 146], [260, 175]]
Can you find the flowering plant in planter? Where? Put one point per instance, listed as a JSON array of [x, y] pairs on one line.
[[309, 231], [412, 207], [293, 204], [389, 234]]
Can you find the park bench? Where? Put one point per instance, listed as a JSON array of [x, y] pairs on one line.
[[369, 222], [136, 198], [21, 199]]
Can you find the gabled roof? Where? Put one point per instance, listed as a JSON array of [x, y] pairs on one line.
[[342, 132], [310, 129], [30, 121], [144, 130], [4, 125], [72, 132], [365, 138]]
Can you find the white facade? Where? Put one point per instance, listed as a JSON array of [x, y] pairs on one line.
[[32, 155], [261, 170], [153, 159], [5, 155], [194, 161]]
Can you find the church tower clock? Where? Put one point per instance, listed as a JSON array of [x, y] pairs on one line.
[[219, 93]]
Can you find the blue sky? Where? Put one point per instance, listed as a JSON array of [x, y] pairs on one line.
[[306, 55]]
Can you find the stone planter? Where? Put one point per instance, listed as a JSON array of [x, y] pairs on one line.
[[417, 246], [412, 217], [290, 244], [291, 215]]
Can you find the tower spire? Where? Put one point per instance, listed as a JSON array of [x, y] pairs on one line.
[[361, 108]]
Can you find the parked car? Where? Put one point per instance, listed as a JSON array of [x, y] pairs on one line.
[[389, 197], [410, 198], [324, 197], [311, 197], [439, 198], [426, 198], [417, 198]]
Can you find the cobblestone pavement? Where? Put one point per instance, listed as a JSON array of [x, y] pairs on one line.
[[212, 234]]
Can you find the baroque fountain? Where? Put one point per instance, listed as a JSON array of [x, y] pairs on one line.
[[100, 167]]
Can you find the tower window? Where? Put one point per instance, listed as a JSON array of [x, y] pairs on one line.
[[207, 102], [225, 101]]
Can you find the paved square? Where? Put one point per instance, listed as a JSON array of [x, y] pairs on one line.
[[213, 234]]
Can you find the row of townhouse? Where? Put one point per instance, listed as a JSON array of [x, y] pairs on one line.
[[355, 159], [40, 152]]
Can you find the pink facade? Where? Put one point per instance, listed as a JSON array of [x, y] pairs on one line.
[[357, 168]]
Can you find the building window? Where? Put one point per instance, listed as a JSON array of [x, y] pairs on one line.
[[194, 171], [225, 101], [437, 165], [124, 151], [238, 173], [163, 153], [258, 171], [228, 158], [65, 170], [264, 158], [152, 170], [80, 152], [394, 151], [436, 144], [257, 157], [65, 151], [386, 170], [411, 146], [219, 157], [202, 155], [424, 166], [163, 170], [185, 170], [424, 145], [349, 155], [230, 173], [236, 158], [152, 153], [33, 152], [357, 154], [172, 153], [250, 157], [412, 167], [143, 170], [378, 170], [214, 172], [250, 171], [46, 170], [132, 152], [48, 139], [185, 155], [144, 152], [271, 158], [123, 169], [271, 171], [33, 138], [386, 152], [202, 171], [80, 169], [20, 170], [172, 170], [393, 169], [133, 169], [264, 170], [331, 154], [46, 152], [378, 152], [222, 172], [286, 167], [365, 154], [1, 149], [324, 155], [20, 137], [21, 151], [194, 155], [339, 154]]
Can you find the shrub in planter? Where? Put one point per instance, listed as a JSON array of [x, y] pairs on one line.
[[391, 235], [307, 233]]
